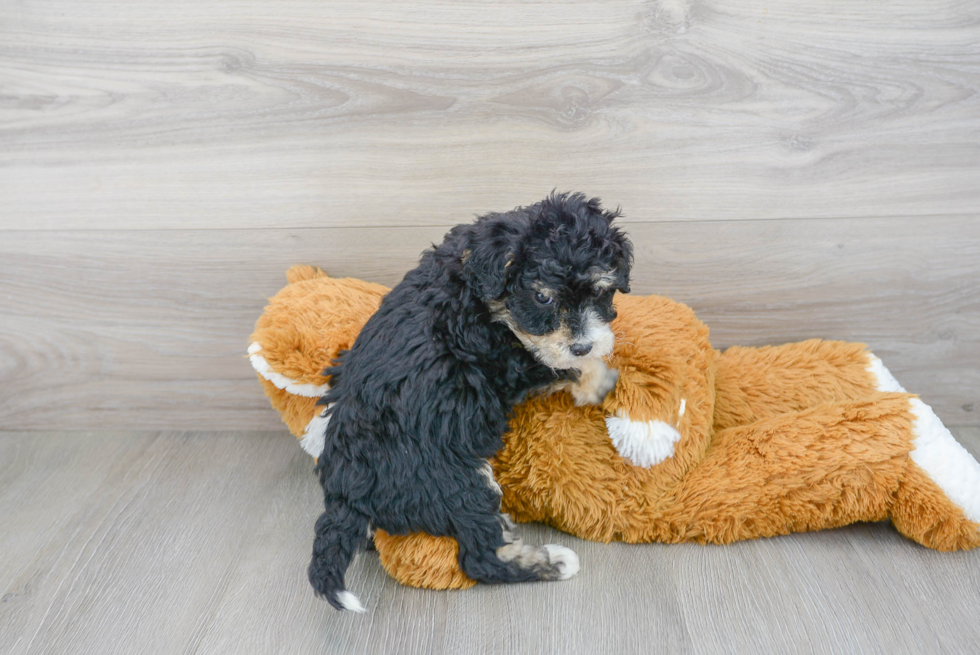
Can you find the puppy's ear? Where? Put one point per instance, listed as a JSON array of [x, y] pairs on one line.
[[622, 249], [624, 265], [594, 207], [492, 246], [623, 257]]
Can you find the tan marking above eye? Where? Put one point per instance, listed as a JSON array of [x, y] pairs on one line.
[[604, 279]]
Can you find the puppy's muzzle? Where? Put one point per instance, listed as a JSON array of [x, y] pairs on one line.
[[580, 349]]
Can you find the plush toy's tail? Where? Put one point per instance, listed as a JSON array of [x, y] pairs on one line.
[[339, 531]]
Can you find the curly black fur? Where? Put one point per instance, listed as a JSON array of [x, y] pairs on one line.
[[423, 397]]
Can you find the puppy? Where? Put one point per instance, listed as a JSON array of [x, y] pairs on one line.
[[510, 304]]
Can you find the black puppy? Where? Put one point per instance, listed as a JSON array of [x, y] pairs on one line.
[[511, 303]]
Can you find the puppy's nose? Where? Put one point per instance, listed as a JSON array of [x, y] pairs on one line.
[[579, 349]]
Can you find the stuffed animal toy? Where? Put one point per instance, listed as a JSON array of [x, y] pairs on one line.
[[693, 444]]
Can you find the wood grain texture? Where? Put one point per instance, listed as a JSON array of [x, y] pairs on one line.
[[788, 169], [148, 329], [197, 543], [370, 113], [138, 563]]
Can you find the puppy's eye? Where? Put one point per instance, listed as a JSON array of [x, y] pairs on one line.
[[543, 299]]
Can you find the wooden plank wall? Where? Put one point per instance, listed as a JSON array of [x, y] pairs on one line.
[[789, 169]]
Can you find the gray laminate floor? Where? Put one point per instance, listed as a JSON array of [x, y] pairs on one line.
[[198, 542]]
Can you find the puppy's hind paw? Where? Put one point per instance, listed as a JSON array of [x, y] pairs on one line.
[[562, 562]]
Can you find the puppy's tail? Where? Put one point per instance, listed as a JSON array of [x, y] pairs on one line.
[[339, 531]]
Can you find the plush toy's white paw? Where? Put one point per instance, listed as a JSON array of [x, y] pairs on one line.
[[645, 443]]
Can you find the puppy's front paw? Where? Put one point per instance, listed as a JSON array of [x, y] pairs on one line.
[[594, 383], [608, 384]]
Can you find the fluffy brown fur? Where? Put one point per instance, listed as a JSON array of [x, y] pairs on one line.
[[771, 440]]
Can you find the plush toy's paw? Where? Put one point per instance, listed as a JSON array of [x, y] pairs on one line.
[[644, 443], [595, 381]]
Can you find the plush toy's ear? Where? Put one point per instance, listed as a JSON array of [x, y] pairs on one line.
[[491, 247], [302, 272]]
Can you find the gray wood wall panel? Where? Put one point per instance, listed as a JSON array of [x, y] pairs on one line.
[[789, 169], [148, 329], [269, 114]]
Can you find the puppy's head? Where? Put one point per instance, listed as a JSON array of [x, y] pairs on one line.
[[549, 272]]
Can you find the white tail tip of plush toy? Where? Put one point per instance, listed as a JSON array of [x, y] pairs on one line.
[[349, 602], [948, 463]]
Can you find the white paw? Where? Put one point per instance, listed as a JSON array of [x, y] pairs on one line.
[[564, 560], [595, 382], [609, 383], [644, 443]]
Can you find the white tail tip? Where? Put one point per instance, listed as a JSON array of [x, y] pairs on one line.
[[350, 602]]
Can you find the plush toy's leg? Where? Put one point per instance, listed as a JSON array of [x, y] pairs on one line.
[[829, 466], [757, 383], [421, 560]]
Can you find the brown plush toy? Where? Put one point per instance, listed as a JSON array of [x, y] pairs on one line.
[[692, 444]]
